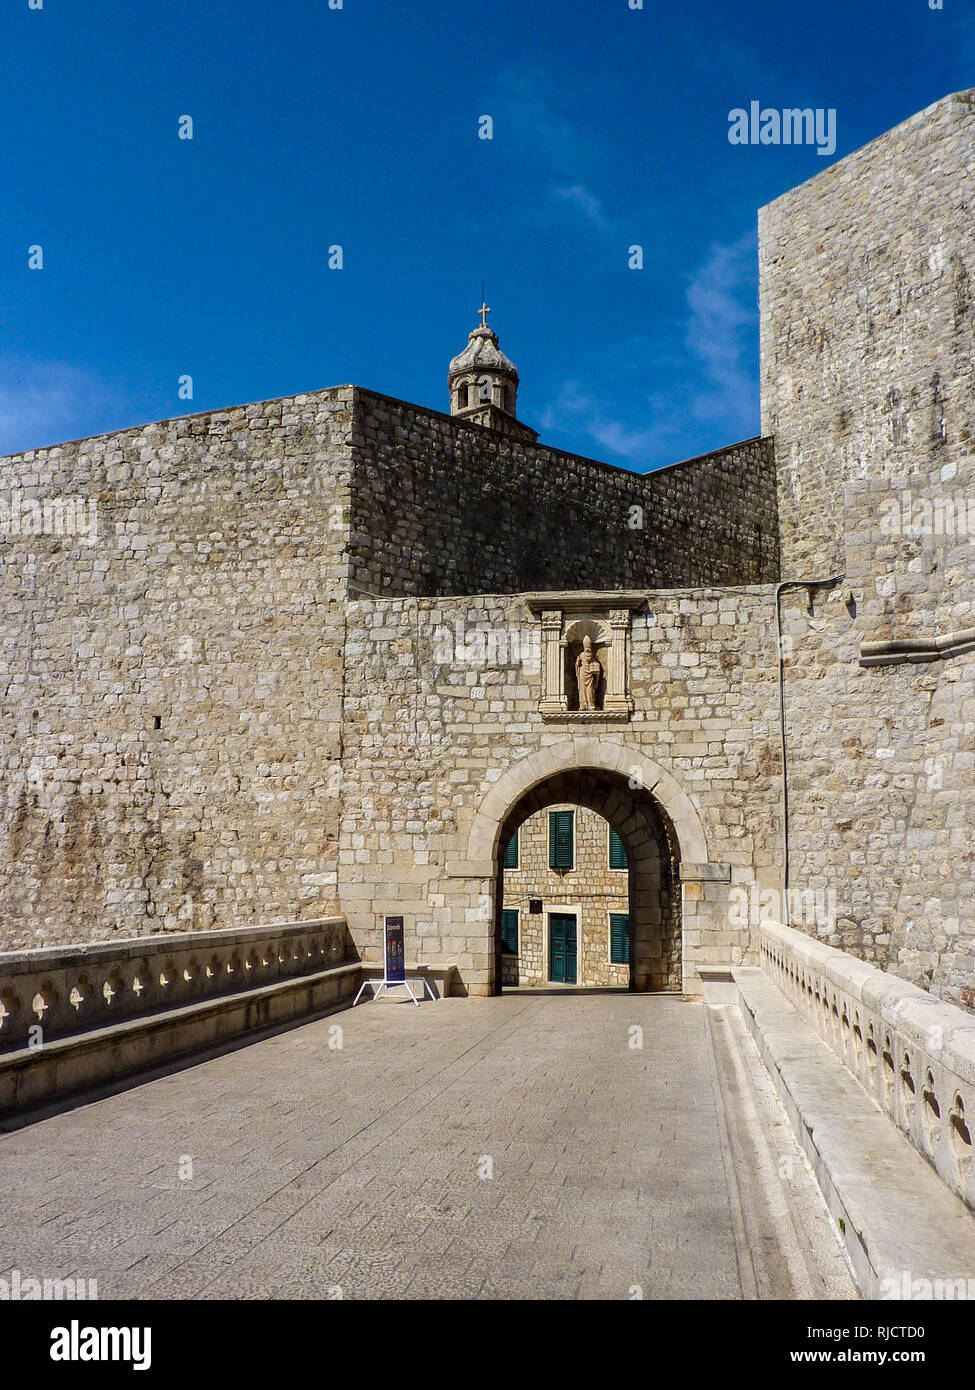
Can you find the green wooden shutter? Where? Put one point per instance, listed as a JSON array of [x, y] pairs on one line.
[[617, 853], [509, 931], [560, 840], [619, 938], [511, 853]]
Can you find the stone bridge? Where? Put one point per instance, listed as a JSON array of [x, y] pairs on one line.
[[239, 1131]]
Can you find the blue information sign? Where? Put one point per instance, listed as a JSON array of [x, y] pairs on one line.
[[395, 951], [394, 964]]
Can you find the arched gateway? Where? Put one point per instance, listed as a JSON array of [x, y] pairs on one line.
[[654, 818]]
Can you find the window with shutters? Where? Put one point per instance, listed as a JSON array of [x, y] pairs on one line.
[[509, 931], [617, 853], [511, 853], [619, 938], [561, 846]]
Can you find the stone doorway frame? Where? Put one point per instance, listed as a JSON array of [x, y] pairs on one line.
[[499, 799]]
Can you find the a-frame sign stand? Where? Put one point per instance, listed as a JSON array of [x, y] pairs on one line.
[[394, 964]]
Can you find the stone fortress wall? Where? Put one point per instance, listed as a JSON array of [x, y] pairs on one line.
[[868, 346], [175, 693], [171, 693], [254, 699]]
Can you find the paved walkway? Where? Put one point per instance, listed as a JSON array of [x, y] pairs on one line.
[[516, 1147]]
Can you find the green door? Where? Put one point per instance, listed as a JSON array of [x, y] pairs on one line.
[[562, 948]]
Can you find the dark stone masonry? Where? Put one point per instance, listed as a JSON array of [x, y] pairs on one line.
[[441, 507]]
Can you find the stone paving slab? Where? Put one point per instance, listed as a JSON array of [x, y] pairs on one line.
[[494, 1148]]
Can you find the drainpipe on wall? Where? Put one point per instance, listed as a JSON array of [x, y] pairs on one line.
[[789, 584]]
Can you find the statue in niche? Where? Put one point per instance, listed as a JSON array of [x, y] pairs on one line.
[[588, 671]]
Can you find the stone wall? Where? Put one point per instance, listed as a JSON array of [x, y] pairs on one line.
[[431, 735], [442, 507], [173, 683], [171, 712], [590, 886], [183, 716], [866, 276], [868, 343]]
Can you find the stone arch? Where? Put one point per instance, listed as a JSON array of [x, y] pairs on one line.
[[597, 755], [655, 818]]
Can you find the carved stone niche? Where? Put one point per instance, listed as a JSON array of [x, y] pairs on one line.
[[596, 654], [585, 655]]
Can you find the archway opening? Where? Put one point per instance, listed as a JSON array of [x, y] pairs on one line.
[[588, 888]]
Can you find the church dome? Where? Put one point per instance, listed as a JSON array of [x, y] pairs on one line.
[[483, 354], [483, 383]]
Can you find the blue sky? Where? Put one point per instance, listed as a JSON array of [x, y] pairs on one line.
[[359, 127]]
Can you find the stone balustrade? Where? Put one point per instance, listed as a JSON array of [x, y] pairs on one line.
[[914, 1054], [66, 990]]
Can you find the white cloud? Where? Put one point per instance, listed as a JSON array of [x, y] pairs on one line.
[[722, 333], [574, 409], [588, 205], [529, 105], [528, 101], [705, 372], [48, 402]]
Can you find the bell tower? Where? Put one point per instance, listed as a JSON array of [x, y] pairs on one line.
[[483, 383]]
